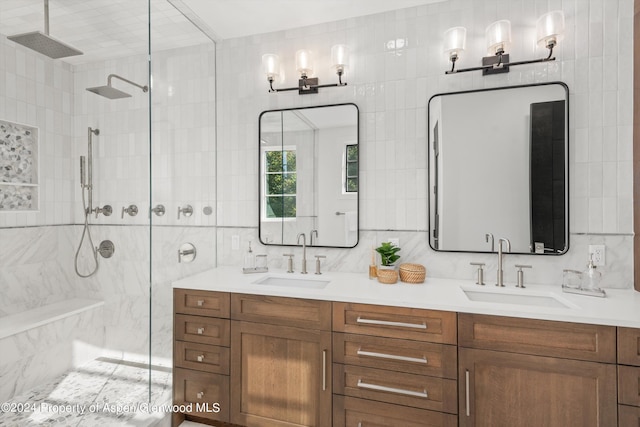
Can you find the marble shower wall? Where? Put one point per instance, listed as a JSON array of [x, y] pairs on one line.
[[396, 65]]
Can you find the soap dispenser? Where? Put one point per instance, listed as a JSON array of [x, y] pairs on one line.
[[591, 277], [249, 260]]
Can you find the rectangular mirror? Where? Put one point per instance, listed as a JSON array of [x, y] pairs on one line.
[[498, 168], [309, 176]]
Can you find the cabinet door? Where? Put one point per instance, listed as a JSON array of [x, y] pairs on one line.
[[280, 376], [506, 389]]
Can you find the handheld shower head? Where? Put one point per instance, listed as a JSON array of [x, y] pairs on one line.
[[83, 174], [110, 92]]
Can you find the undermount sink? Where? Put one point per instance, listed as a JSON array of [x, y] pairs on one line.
[[519, 298], [295, 281]]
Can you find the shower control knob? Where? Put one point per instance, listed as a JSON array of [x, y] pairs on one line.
[[158, 210], [186, 211], [107, 210], [132, 210]]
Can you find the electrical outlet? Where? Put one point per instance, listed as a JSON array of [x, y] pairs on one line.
[[395, 241], [597, 254], [235, 242]]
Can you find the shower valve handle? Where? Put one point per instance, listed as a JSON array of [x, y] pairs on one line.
[[186, 211], [132, 210], [107, 210]]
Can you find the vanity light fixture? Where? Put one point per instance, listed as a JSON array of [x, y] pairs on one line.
[[550, 29], [304, 66]]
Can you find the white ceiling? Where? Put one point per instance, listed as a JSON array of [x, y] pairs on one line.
[[239, 18], [107, 29]]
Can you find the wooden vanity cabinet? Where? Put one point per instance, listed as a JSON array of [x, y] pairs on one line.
[[628, 377], [393, 366], [280, 361], [201, 354], [522, 372]]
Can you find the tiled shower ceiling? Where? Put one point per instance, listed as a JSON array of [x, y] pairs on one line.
[[102, 29]]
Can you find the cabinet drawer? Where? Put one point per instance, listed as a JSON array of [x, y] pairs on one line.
[[538, 337], [395, 322], [206, 395], [629, 385], [629, 346], [418, 391], [628, 416], [413, 357], [201, 357], [204, 330], [302, 313], [353, 412], [201, 303]]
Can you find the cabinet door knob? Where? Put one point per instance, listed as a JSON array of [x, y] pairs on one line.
[[200, 303], [201, 358], [200, 395], [200, 331]]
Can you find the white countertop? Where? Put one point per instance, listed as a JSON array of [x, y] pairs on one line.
[[621, 307]]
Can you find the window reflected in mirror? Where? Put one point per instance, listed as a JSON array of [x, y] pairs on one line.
[[309, 175]]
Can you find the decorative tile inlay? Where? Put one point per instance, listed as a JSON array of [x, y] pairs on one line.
[[18, 166]]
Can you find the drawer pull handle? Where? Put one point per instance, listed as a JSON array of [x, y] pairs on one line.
[[200, 302], [201, 358], [324, 370], [200, 395], [200, 331], [466, 393], [389, 323], [422, 359], [377, 387]]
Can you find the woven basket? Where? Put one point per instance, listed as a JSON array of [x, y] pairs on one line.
[[387, 277], [412, 273]]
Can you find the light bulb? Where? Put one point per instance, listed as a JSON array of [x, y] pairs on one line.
[[339, 57], [303, 63], [455, 40], [498, 37], [550, 28], [271, 65]]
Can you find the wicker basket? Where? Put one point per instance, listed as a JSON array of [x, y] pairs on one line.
[[412, 273], [387, 277]]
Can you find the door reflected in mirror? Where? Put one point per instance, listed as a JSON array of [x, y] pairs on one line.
[[309, 176], [498, 168]]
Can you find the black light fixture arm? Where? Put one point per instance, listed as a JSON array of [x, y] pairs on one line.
[[307, 85], [501, 64]]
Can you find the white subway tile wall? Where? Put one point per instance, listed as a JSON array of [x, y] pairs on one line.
[[396, 64]]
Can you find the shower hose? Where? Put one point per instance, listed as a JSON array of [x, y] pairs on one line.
[[86, 231]]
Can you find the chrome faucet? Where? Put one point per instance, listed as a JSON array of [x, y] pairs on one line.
[[304, 252], [311, 236], [500, 272]]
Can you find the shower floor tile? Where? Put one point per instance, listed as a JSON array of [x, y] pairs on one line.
[[103, 392]]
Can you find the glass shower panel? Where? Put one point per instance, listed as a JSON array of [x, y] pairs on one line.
[[183, 163]]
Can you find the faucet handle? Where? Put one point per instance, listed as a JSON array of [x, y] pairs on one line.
[[318, 257], [480, 272], [520, 274], [289, 263]]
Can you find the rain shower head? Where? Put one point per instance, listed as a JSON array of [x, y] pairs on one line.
[[110, 92], [43, 42]]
